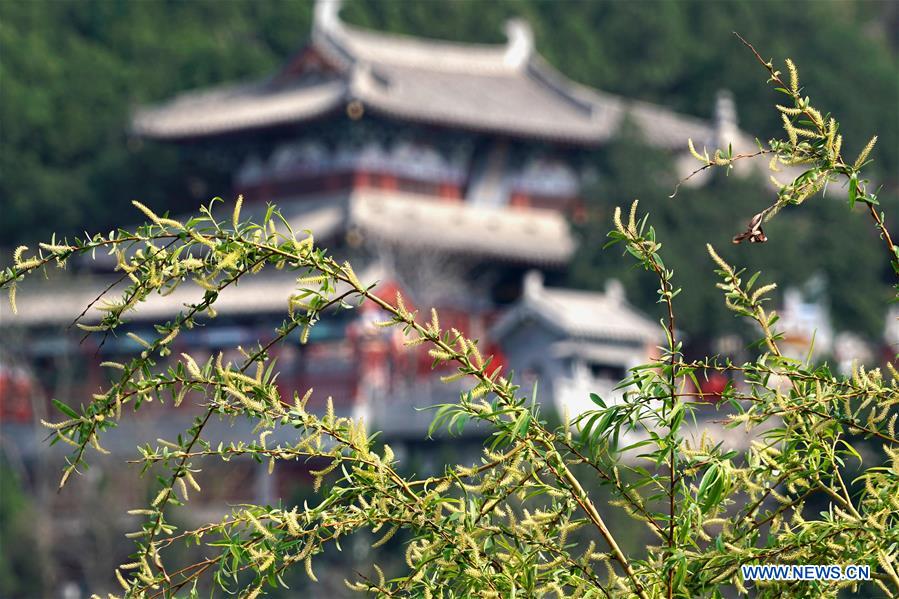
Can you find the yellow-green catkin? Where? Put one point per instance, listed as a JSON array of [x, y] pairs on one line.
[[17, 254], [866, 151], [616, 218], [794, 77], [717, 259], [147, 212], [696, 154], [265, 532], [307, 563], [632, 219], [23, 264], [12, 299], [235, 217]]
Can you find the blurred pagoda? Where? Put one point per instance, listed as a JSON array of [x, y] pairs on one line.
[[443, 171], [468, 150]]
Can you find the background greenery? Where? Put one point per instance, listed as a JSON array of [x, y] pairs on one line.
[[71, 72]]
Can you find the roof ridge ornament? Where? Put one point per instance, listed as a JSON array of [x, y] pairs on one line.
[[533, 284], [615, 291], [724, 119], [520, 44], [326, 17]]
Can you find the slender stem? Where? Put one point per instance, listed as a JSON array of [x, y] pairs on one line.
[[704, 167], [667, 293], [580, 495], [638, 507], [883, 231]]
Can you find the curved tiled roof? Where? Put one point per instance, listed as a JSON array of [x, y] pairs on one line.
[[503, 102], [585, 315], [507, 89], [238, 107], [354, 44], [588, 314]]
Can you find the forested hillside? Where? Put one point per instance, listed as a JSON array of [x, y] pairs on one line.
[[70, 73]]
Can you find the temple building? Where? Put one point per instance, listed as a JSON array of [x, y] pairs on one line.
[[573, 343], [442, 170]]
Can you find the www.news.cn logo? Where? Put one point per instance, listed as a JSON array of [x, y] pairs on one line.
[[806, 572]]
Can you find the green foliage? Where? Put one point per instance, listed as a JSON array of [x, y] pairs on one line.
[[810, 242], [520, 521], [814, 145]]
